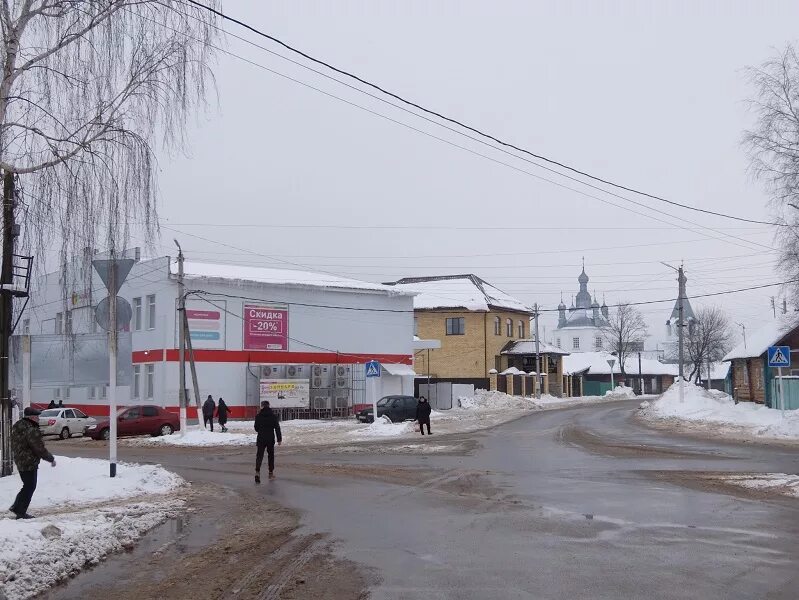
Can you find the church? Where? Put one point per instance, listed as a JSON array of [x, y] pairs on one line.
[[580, 326]]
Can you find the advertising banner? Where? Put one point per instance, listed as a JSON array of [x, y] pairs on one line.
[[206, 323], [266, 327], [286, 393]]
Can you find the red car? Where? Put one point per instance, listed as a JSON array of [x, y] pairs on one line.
[[136, 420]]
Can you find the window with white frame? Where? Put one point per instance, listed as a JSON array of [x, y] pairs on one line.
[[497, 326], [92, 393], [103, 392], [59, 323], [67, 393], [151, 311], [598, 343], [150, 381], [68, 322], [137, 314], [137, 381], [575, 343], [557, 342], [521, 330], [456, 326], [26, 327], [57, 394], [509, 327], [745, 369], [416, 326]]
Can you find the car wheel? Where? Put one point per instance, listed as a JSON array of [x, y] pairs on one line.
[[387, 416], [105, 434], [166, 429], [65, 435]]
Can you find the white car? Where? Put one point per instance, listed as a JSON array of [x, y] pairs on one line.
[[64, 422]]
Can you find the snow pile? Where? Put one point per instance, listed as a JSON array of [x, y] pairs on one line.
[[484, 400], [197, 435], [716, 408], [383, 428], [781, 483], [621, 391], [36, 554]]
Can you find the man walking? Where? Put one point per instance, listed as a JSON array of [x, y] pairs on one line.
[[268, 428], [423, 410], [208, 412], [28, 449], [221, 414]]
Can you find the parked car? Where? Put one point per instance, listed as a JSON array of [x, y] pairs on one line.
[[64, 422], [396, 408], [137, 420]]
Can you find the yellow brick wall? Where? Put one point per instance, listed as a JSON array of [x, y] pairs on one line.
[[469, 355]]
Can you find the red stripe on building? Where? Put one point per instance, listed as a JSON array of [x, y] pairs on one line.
[[247, 356]]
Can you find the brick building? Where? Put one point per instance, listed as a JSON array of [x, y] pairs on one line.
[[473, 321]]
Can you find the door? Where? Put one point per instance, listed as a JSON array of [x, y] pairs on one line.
[[128, 421], [410, 408], [70, 421], [150, 421]]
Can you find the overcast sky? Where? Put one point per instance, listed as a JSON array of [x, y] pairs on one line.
[[650, 94]]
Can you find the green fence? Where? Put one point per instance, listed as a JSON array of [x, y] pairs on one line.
[[595, 388], [791, 392]]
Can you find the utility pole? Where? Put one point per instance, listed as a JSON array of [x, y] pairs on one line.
[[181, 344], [773, 307], [784, 306], [195, 384], [640, 373], [743, 330], [537, 357], [6, 316], [680, 331]]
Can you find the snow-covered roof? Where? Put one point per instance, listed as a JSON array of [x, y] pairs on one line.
[[528, 347], [272, 276], [596, 363], [758, 341], [467, 292]]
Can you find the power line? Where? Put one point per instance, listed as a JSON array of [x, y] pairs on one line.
[[470, 128], [471, 151]]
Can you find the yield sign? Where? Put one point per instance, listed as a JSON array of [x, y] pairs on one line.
[[122, 267], [779, 356]]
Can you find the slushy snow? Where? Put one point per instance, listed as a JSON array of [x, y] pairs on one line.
[[718, 410], [469, 413], [86, 516]]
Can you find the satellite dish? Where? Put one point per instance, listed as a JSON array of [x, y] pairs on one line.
[[102, 314]]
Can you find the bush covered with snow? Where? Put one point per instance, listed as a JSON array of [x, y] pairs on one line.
[[703, 406]]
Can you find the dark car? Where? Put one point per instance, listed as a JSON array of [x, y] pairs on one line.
[[136, 420], [396, 408]]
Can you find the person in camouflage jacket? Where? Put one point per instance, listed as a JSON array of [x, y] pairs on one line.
[[28, 449]]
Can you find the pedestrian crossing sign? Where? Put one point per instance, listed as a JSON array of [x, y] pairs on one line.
[[779, 356], [373, 369]]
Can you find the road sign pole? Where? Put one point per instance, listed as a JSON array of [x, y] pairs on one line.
[[112, 375], [782, 392]]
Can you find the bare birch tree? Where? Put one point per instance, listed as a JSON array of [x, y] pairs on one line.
[[90, 90], [773, 146], [624, 332], [708, 340]]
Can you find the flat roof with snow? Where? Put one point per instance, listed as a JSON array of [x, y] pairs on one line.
[[273, 276], [596, 363]]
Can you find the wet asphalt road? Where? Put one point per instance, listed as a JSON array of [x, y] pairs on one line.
[[532, 510]]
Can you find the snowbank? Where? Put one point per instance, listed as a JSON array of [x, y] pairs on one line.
[[469, 413], [781, 483], [621, 391], [703, 407], [67, 534]]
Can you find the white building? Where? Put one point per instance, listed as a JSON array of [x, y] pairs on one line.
[[580, 330], [306, 326]]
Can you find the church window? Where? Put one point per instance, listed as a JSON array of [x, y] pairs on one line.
[[509, 328]]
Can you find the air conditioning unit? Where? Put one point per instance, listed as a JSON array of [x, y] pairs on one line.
[[320, 402], [273, 371], [343, 370], [343, 376], [297, 372], [320, 376], [341, 401]]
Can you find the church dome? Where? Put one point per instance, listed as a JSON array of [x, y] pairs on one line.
[[583, 278]]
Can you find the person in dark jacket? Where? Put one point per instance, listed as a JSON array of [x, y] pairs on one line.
[[268, 428], [52, 404], [423, 410], [221, 414], [60, 404], [28, 449], [208, 412]]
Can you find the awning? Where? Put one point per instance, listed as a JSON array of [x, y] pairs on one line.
[[397, 369]]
